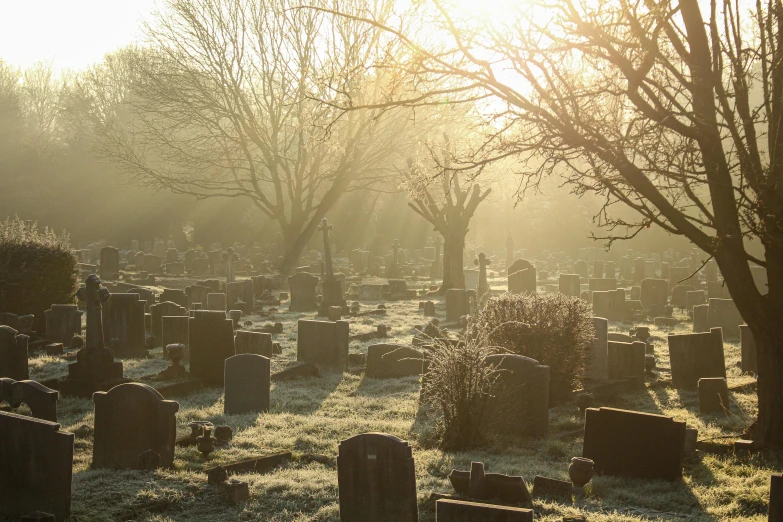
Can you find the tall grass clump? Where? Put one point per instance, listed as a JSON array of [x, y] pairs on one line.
[[37, 269], [554, 329]]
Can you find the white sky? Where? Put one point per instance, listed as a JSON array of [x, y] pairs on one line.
[[72, 34]]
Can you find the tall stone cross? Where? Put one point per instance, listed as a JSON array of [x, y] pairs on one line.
[[95, 295], [230, 256], [325, 227], [483, 285]]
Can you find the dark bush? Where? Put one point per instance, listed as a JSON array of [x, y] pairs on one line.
[[37, 269], [554, 329]]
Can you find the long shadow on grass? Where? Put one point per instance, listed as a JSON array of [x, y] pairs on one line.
[[303, 396]]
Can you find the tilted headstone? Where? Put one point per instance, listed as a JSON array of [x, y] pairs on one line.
[[246, 382], [123, 320], [130, 419], [37, 463], [633, 444], [323, 342], [13, 354], [303, 292], [696, 355], [392, 360], [211, 337], [520, 401], [376, 477], [254, 342], [626, 360], [63, 321]]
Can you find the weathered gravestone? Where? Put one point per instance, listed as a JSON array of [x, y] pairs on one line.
[[609, 304], [129, 420], [458, 303], [254, 342], [451, 510], [211, 337], [303, 286], [13, 354], [217, 302], [654, 294], [63, 321], [376, 477], [521, 277], [597, 368], [694, 298], [323, 342], [633, 444], [95, 366], [696, 355], [239, 295], [41, 400], [749, 361], [713, 395], [701, 318], [37, 463], [392, 360], [179, 297], [625, 360], [175, 330], [198, 294], [110, 263], [123, 320], [167, 309], [725, 315], [247, 380], [145, 294], [520, 402], [570, 285]]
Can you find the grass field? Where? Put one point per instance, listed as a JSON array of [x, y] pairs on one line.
[[312, 415]]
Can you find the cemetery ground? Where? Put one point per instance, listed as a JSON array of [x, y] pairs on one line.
[[309, 416]]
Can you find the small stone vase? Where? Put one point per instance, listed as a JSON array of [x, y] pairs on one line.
[[580, 471], [206, 442]]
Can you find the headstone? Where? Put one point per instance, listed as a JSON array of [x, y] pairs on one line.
[[724, 314], [580, 268], [179, 297], [520, 402], [654, 294], [570, 285], [332, 288], [483, 285], [749, 360], [303, 290], [110, 263], [174, 330], [63, 321], [130, 419], [391, 360], [626, 360], [167, 309], [37, 463], [522, 277], [633, 444], [247, 381], [123, 320], [13, 354], [323, 342], [701, 318], [254, 343], [609, 304], [152, 264], [713, 395], [597, 368], [602, 285], [217, 302], [376, 477], [693, 298], [638, 269], [694, 356], [41, 400], [211, 337], [679, 296]]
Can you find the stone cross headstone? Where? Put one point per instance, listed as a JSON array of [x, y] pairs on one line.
[[332, 288], [246, 382], [376, 477], [130, 419], [483, 284]]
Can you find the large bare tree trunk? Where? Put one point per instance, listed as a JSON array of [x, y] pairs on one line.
[[453, 251], [769, 351]]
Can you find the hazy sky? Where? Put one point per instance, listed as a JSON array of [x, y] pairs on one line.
[[70, 33]]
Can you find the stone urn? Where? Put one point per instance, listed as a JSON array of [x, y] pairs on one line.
[[580, 471], [206, 442]]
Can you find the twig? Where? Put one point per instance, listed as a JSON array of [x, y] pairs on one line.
[[697, 270]]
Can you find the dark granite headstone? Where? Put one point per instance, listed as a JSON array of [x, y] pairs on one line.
[[323, 342], [13, 354], [696, 355], [123, 319], [521, 277], [303, 286], [377, 479], [130, 419], [254, 342], [211, 337]]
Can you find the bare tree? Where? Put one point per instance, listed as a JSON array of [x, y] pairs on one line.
[[655, 106], [239, 99], [440, 198]]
